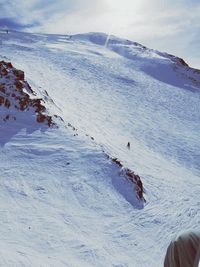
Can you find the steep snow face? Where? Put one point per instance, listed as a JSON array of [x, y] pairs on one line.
[[59, 206], [83, 78], [52, 179], [116, 91]]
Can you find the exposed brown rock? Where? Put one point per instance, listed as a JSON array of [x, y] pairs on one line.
[[137, 181], [24, 103], [9, 65], [132, 177], [41, 118], [21, 101], [6, 64], [1, 100], [19, 74], [36, 103], [49, 121], [4, 72], [2, 88], [7, 103], [18, 84], [117, 162]]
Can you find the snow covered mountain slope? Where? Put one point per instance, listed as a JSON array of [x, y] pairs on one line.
[[63, 202], [52, 179]]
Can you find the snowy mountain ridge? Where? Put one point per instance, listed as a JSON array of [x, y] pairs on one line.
[[66, 199], [133, 50]]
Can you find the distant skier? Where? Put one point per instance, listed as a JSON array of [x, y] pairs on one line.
[[128, 145], [7, 31]]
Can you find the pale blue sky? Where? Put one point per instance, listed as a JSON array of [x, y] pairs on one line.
[[167, 25]]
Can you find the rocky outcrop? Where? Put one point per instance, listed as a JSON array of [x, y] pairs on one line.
[[16, 96], [132, 177]]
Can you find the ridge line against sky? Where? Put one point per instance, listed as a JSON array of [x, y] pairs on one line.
[[166, 25]]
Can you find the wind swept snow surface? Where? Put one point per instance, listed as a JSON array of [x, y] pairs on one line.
[[63, 203]]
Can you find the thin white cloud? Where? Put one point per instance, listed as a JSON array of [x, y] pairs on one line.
[[168, 25]]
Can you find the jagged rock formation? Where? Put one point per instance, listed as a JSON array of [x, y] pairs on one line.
[[17, 96], [133, 178]]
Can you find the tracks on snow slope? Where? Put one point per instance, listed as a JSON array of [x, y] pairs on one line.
[[16, 100], [133, 233]]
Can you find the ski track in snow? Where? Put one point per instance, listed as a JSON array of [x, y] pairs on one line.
[[59, 214]]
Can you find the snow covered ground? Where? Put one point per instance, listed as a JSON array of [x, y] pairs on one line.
[[63, 203]]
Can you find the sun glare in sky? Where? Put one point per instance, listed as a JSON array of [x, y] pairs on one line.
[[124, 5], [121, 14]]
